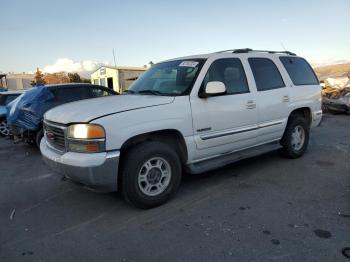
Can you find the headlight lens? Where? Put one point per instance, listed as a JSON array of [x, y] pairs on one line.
[[86, 131], [86, 138]]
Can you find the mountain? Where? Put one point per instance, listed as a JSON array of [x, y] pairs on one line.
[[339, 70]]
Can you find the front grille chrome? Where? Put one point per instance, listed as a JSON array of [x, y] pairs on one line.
[[55, 135]]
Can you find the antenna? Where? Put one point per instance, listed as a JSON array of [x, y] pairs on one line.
[[115, 64], [283, 46]]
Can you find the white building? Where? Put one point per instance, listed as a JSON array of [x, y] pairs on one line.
[[118, 78], [13, 81]]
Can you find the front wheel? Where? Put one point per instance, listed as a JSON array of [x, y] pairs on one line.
[[151, 174], [4, 128], [296, 138]]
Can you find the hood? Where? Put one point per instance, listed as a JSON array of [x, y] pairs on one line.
[[86, 110]]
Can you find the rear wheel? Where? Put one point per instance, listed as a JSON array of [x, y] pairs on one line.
[[151, 174], [4, 128], [296, 137]]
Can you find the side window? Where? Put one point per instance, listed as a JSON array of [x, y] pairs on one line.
[[229, 71], [98, 92], [70, 94], [10, 98], [299, 70], [266, 74]]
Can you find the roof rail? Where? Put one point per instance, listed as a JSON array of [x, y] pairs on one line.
[[248, 50]]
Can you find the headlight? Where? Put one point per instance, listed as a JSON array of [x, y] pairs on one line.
[[86, 138]]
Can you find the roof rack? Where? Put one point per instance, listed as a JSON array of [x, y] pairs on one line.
[[248, 50]]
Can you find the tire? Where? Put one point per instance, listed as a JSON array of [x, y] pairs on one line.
[[4, 128], [38, 136], [296, 137], [151, 174]]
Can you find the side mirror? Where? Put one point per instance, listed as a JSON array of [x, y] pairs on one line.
[[215, 88]]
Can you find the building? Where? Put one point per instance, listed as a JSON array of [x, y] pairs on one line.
[[13, 81], [118, 78]]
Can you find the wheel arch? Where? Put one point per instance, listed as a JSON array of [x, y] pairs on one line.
[[169, 136], [304, 112]]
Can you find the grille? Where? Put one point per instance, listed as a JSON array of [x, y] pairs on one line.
[[55, 135]]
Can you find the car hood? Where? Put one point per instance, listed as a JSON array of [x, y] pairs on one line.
[[90, 109]]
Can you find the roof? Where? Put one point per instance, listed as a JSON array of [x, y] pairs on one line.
[[236, 52], [130, 68], [13, 92]]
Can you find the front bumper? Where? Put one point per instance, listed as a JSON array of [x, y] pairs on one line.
[[98, 170]]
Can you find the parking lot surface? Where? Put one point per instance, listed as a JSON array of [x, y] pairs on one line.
[[261, 209]]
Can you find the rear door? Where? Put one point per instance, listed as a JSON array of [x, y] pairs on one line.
[[272, 97], [227, 122]]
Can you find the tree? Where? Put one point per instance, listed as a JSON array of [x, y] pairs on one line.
[[57, 78], [38, 79], [74, 78]]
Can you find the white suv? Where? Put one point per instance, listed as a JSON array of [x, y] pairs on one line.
[[192, 113]]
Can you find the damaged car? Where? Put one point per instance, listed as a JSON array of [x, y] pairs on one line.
[[25, 116]]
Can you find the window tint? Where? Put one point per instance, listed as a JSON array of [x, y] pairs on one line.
[[70, 94], [10, 98], [266, 74], [229, 71], [299, 71], [98, 92]]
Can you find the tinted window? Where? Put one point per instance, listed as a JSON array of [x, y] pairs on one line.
[[229, 71], [98, 92], [6, 99], [299, 71], [266, 74], [70, 94]]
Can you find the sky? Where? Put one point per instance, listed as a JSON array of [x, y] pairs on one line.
[[78, 35]]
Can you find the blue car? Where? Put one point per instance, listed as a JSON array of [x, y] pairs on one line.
[[6, 98], [25, 115]]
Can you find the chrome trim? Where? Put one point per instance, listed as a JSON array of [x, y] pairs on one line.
[[228, 133], [274, 123], [62, 127], [53, 148], [242, 130], [86, 139], [49, 123]]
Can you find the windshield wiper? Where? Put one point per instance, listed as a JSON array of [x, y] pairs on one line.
[[150, 92], [128, 92]]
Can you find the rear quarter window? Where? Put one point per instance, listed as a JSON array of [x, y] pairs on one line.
[[300, 72], [266, 74]]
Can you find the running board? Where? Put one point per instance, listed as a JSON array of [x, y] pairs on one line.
[[225, 159]]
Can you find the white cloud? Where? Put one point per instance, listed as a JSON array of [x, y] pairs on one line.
[[70, 66]]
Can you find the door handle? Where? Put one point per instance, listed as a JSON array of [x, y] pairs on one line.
[[286, 99], [251, 104]]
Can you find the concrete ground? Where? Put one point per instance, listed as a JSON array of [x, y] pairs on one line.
[[262, 209]]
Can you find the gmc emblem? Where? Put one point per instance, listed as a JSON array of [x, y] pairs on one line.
[[50, 135]]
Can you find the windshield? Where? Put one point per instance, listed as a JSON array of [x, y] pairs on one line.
[[169, 78]]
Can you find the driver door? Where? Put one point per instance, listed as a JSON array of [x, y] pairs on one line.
[[227, 122]]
